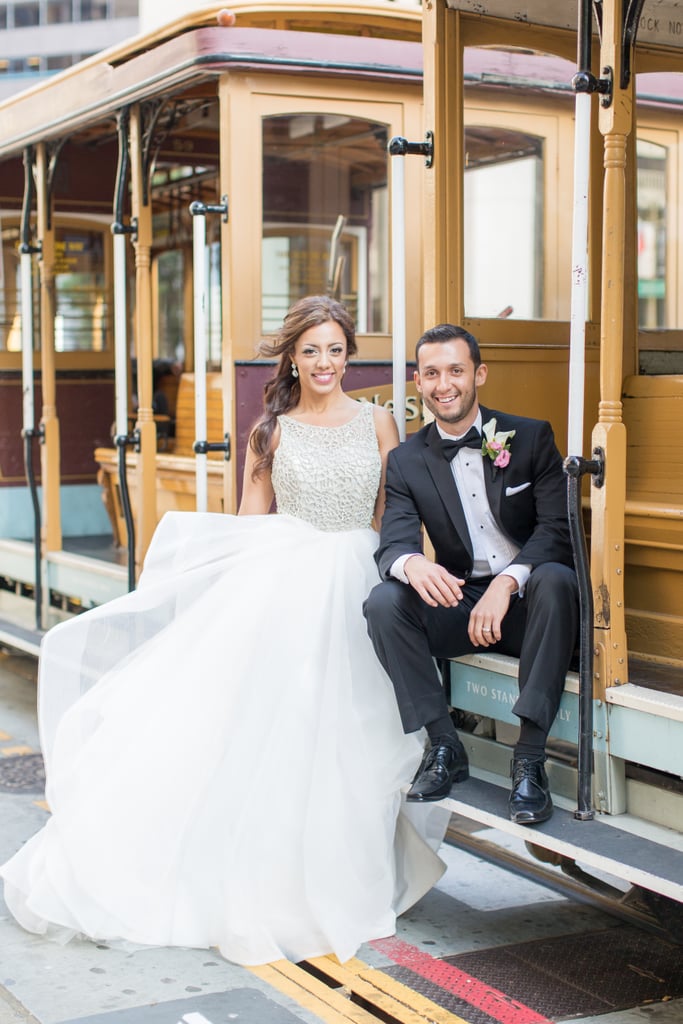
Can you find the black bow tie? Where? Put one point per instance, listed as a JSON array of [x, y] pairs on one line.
[[472, 439]]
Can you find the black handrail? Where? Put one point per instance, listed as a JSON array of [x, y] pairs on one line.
[[124, 441], [29, 432], [575, 468], [28, 436]]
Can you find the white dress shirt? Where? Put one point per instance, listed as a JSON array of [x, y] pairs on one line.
[[492, 550]]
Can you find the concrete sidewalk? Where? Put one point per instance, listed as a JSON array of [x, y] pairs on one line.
[[43, 982]]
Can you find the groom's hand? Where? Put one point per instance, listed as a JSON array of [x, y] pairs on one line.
[[486, 618], [432, 582]]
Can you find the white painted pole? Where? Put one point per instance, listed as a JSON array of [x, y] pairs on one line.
[[579, 291], [27, 341], [200, 353], [120, 336], [398, 290]]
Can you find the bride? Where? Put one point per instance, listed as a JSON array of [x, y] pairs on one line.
[[224, 754]]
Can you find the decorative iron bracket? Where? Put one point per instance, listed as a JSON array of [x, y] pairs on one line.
[[118, 227], [152, 139], [27, 205], [630, 13], [53, 151]]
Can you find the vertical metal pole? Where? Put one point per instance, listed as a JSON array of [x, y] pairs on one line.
[[123, 437], [27, 341], [200, 353], [120, 335], [51, 474], [28, 398], [579, 291], [398, 290], [29, 431]]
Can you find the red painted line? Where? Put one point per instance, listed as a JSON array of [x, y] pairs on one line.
[[493, 1002]]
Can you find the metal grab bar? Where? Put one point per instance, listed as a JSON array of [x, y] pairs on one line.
[[201, 446], [29, 431], [398, 148], [575, 468], [123, 439]]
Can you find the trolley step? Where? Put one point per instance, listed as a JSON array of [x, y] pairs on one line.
[[620, 846]]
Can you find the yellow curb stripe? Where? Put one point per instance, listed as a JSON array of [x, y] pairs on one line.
[[388, 995], [311, 994], [429, 1010], [43, 804], [4, 736], [6, 751]]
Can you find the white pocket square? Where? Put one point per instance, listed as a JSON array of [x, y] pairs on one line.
[[509, 491]]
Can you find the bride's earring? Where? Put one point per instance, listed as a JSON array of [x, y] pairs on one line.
[[295, 372]]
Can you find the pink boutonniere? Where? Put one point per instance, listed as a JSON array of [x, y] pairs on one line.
[[496, 445]]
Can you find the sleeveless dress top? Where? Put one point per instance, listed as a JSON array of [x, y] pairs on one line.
[[224, 753], [328, 476]]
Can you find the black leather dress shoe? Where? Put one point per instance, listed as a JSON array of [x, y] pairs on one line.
[[440, 768], [530, 798]]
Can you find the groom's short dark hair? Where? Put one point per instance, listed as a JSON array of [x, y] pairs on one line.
[[447, 332]]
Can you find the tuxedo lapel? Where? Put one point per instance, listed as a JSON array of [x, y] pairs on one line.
[[494, 480], [442, 475], [494, 487]]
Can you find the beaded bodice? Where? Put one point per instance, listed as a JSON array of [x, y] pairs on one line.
[[328, 476]]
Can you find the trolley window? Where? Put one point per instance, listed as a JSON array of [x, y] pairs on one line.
[[82, 295], [518, 145], [325, 218]]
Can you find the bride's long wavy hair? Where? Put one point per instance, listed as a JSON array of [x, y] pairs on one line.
[[282, 392]]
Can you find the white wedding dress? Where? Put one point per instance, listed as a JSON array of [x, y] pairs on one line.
[[224, 753]]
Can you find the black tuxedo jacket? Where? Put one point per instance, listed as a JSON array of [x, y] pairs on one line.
[[528, 499]]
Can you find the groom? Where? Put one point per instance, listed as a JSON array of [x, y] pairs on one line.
[[490, 492]]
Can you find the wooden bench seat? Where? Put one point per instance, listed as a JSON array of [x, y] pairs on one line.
[[653, 414], [175, 469]]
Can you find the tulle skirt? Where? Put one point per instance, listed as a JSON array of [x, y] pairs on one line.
[[225, 756]]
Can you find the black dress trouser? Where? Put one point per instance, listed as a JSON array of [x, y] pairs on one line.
[[539, 628]]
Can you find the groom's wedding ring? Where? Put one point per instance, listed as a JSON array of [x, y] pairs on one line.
[[485, 630]]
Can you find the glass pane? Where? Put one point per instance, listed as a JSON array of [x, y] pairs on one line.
[[58, 63], [214, 305], [659, 146], [93, 10], [10, 293], [26, 15], [325, 225], [518, 171], [503, 224], [170, 272], [59, 11], [652, 269], [82, 304]]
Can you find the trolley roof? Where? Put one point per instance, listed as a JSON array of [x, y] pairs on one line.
[[661, 22], [277, 37]]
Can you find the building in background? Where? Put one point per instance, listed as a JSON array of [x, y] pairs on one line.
[[39, 37]]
